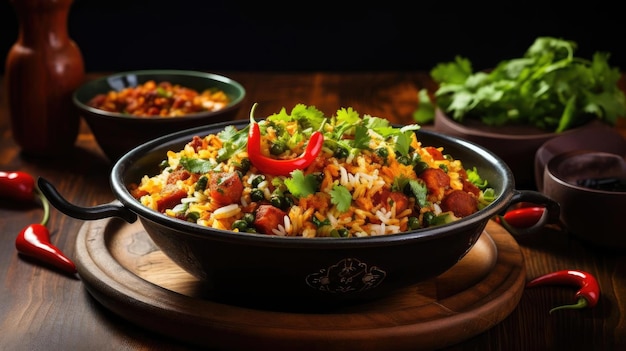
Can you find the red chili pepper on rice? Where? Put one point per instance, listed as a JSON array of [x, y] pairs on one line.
[[275, 166]]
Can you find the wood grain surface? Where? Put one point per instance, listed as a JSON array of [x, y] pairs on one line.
[[126, 272]]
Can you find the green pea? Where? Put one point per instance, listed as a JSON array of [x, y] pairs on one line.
[[420, 167], [244, 165], [201, 183], [405, 160], [414, 223], [249, 218], [277, 148], [240, 225], [193, 216], [428, 217], [278, 201], [382, 152], [341, 152], [257, 194], [288, 201], [257, 180], [339, 233]]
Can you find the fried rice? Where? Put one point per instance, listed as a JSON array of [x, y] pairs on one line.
[[370, 178]]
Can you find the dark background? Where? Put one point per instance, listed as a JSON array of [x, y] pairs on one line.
[[116, 35]]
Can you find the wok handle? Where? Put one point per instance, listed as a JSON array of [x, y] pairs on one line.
[[86, 213], [551, 215]]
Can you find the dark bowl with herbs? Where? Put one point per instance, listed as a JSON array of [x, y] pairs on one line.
[[313, 241], [524, 102]]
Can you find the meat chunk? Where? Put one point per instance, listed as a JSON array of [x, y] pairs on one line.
[[179, 174], [468, 186], [169, 197], [437, 183], [388, 198], [434, 152], [197, 143], [136, 192], [225, 188], [267, 218], [460, 203]]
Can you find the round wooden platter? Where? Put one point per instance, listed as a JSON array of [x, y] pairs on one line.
[[126, 272]]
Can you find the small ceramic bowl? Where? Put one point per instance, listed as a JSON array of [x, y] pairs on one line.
[[590, 186], [117, 133], [515, 145], [597, 136]]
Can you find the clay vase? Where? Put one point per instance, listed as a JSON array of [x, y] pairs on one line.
[[43, 68]]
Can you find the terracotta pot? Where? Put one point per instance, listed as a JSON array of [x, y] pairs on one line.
[[43, 68]]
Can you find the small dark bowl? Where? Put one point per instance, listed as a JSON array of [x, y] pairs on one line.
[[598, 136], [117, 133], [516, 145], [262, 270], [594, 215]]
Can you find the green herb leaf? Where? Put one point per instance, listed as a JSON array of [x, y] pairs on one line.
[[197, 165], [420, 192], [300, 185], [361, 138], [416, 187], [426, 109], [348, 116], [474, 178], [233, 140], [341, 197], [548, 88], [488, 196]]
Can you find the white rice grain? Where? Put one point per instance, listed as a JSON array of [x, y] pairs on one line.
[[226, 211], [288, 227]]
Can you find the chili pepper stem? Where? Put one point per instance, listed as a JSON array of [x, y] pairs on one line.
[[252, 120], [46, 207], [580, 304]]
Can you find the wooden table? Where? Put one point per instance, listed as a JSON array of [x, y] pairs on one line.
[[42, 309]]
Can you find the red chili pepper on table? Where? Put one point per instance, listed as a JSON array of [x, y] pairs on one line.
[[588, 293], [276, 166], [17, 186], [523, 217], [34, 239]]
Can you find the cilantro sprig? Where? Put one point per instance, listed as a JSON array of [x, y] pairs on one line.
[[233, 141], [549, 87]]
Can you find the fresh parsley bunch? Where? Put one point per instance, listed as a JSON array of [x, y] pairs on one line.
[[548, 87]]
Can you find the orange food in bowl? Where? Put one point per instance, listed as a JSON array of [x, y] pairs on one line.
[[164, 99]]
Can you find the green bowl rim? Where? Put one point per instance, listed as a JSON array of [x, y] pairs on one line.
[[235, 102]]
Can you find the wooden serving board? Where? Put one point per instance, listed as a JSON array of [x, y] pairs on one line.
[[127, 273]]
